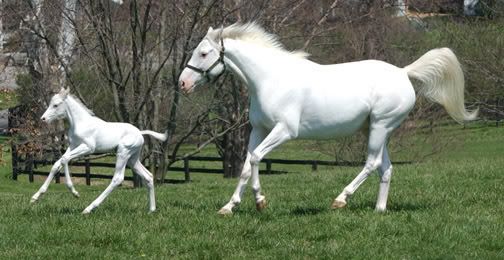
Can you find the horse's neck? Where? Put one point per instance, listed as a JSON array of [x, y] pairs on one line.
[[76, 113], [249, 63]]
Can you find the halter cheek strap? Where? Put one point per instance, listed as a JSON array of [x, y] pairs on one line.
[[206, 73]]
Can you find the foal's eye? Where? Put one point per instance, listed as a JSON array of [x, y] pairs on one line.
[[204, 54], [55, 105]]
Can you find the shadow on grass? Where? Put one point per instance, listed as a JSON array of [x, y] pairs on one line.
[[307, 211], [407, 206], [391, 207], [174, 181]]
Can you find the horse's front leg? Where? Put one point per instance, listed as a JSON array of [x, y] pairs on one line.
[[240, 188], [276, 137], [256, 137], [279, 135]]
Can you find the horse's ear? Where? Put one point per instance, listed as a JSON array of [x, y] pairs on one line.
[[210, 29]]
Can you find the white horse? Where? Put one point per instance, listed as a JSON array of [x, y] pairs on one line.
[[88, 134], [292, 97]]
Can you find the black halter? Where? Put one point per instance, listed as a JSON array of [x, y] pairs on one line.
[[206, 73]]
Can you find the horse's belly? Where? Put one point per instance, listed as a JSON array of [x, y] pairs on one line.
[[328, 130], [334, 122]]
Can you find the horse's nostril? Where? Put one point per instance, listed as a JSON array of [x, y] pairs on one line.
[[43, 118], [182, 83]]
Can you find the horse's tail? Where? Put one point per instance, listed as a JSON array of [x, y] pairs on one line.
[[160, 136], [442, 81]]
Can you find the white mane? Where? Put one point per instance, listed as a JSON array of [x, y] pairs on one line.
[[253, 33], [79, 102]]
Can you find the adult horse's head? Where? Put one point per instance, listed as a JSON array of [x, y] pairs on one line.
[[56, 109], [206, 63]]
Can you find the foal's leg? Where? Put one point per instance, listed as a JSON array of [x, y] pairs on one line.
[[385, 171], [256, 137], [122, 158], [55, 168], [70, 154], [68, 181], [376, 145], [139, 169]]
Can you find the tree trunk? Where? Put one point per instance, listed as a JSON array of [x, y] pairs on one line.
[[66, 40], [235, 151], [2, 37], [233, 145]]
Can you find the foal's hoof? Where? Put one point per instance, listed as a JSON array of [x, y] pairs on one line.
[[76, 194], [225, 212], [338, 204], [380, 209], [262, 204], [33, 200], [86, 212]]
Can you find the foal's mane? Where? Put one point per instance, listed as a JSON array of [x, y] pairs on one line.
[[251, 32], [81, 104]]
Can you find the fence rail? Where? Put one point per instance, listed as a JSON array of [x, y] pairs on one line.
[[31, 165]]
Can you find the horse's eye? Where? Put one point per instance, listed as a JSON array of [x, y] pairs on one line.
[[204, 54], [55, 105]]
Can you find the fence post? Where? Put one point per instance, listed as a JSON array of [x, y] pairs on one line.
[[497, 117], [29, 167], [88, 172], [268, 166], [186, 170], [58, 176], [14, 161], [314, 166]]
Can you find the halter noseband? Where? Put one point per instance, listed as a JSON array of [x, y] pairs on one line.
[[206, 73]]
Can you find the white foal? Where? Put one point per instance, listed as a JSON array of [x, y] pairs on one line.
[[292, 97], [89, 134]]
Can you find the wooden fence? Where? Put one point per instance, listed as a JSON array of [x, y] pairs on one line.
[[31, 165], [491, 111]]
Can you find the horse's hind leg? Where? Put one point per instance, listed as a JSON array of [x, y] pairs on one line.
[[139, 169], [376, 146], [385, 171], [122, 158]]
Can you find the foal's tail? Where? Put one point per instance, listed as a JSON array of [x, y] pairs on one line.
[[161, 137], [443, 81]]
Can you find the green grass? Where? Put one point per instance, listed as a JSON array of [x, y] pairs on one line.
[[448, 207], [8, 99]]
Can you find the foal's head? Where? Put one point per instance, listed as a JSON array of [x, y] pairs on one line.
[[206, 63], [57, 107]]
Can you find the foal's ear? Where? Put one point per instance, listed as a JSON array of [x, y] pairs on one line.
[[210, 29], [64, 92]]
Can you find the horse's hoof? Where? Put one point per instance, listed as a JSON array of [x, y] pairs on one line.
[[262, 204], [76, 194], [338, 204], [33, 200], [225, 212], [86, 212]]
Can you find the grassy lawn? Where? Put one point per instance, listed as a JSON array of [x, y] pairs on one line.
[[448, 207]]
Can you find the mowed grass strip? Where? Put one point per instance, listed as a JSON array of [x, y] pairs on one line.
[[448, 207]]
